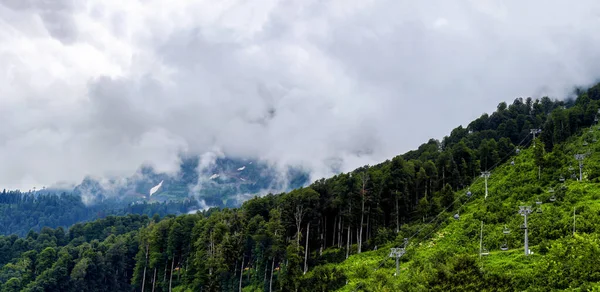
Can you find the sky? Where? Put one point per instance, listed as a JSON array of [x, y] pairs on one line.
[[101, 87]]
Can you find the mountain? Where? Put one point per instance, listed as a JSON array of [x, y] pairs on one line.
[[562, 228], [337, 233], [223, 182], [220, 182]]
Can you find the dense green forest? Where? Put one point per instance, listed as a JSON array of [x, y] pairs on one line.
[[22, 212], [336, 233]]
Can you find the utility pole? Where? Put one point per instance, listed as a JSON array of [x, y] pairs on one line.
[[580, 158], [485, 174], [525, 211], [534, 131], [573, 221], [481, 240], [397, 253]]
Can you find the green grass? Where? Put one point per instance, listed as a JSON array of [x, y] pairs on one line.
[[509, 186]]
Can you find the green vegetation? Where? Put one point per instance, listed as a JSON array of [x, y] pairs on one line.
[[336, 234], [22, 212]]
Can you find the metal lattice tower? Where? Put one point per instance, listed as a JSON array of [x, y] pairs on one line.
[[580, 158], [397, 252], [525, 211], [534, 131], [485, 174]]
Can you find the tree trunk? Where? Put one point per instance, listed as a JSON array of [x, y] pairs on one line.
[[306, 249], [298, 238], [368, 233], [325, 234], [362, 216], [348, 243], [357, 235], [145, 265], [362, 210], [266, 268], [166, 265], [241, 273], [298, 217], [340, 232], [271, 280], [334, 229], [171, 275], [154, 280], [321, 236]]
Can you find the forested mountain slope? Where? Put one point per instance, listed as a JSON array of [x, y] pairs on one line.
[[563, 227], [220, 182], [336, 234]]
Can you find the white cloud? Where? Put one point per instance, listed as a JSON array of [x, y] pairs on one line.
[[101, 87]]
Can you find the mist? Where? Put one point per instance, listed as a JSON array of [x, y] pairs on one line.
[[99, 88]]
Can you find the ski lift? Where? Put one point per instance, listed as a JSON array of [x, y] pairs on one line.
[[504, 246], [518, 150], [506, 230], [552, 198], [512, 162], [551, 190], [523, 226], [585, 143], [456, 216], [539, 210], [484, 252], [561, 179], [469, 194]]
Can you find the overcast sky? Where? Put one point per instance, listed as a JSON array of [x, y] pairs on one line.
[[100, 87]]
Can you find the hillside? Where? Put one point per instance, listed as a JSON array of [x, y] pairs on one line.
[[562, 231], [336, 233], [220, 182]]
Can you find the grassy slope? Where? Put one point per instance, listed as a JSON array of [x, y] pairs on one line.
[[509, 187]]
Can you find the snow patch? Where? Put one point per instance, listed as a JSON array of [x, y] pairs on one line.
[[242, 179], [214, 176], [242, 168], [155, 188]]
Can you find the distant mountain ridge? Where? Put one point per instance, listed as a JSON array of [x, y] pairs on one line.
[[221, 182]]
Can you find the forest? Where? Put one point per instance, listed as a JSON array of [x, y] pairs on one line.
[[22, 212], [335, 234]]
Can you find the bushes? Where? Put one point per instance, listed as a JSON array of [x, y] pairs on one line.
[[323, 278], [571, 262]]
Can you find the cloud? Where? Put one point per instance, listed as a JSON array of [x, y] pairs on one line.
[[101, 87]]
